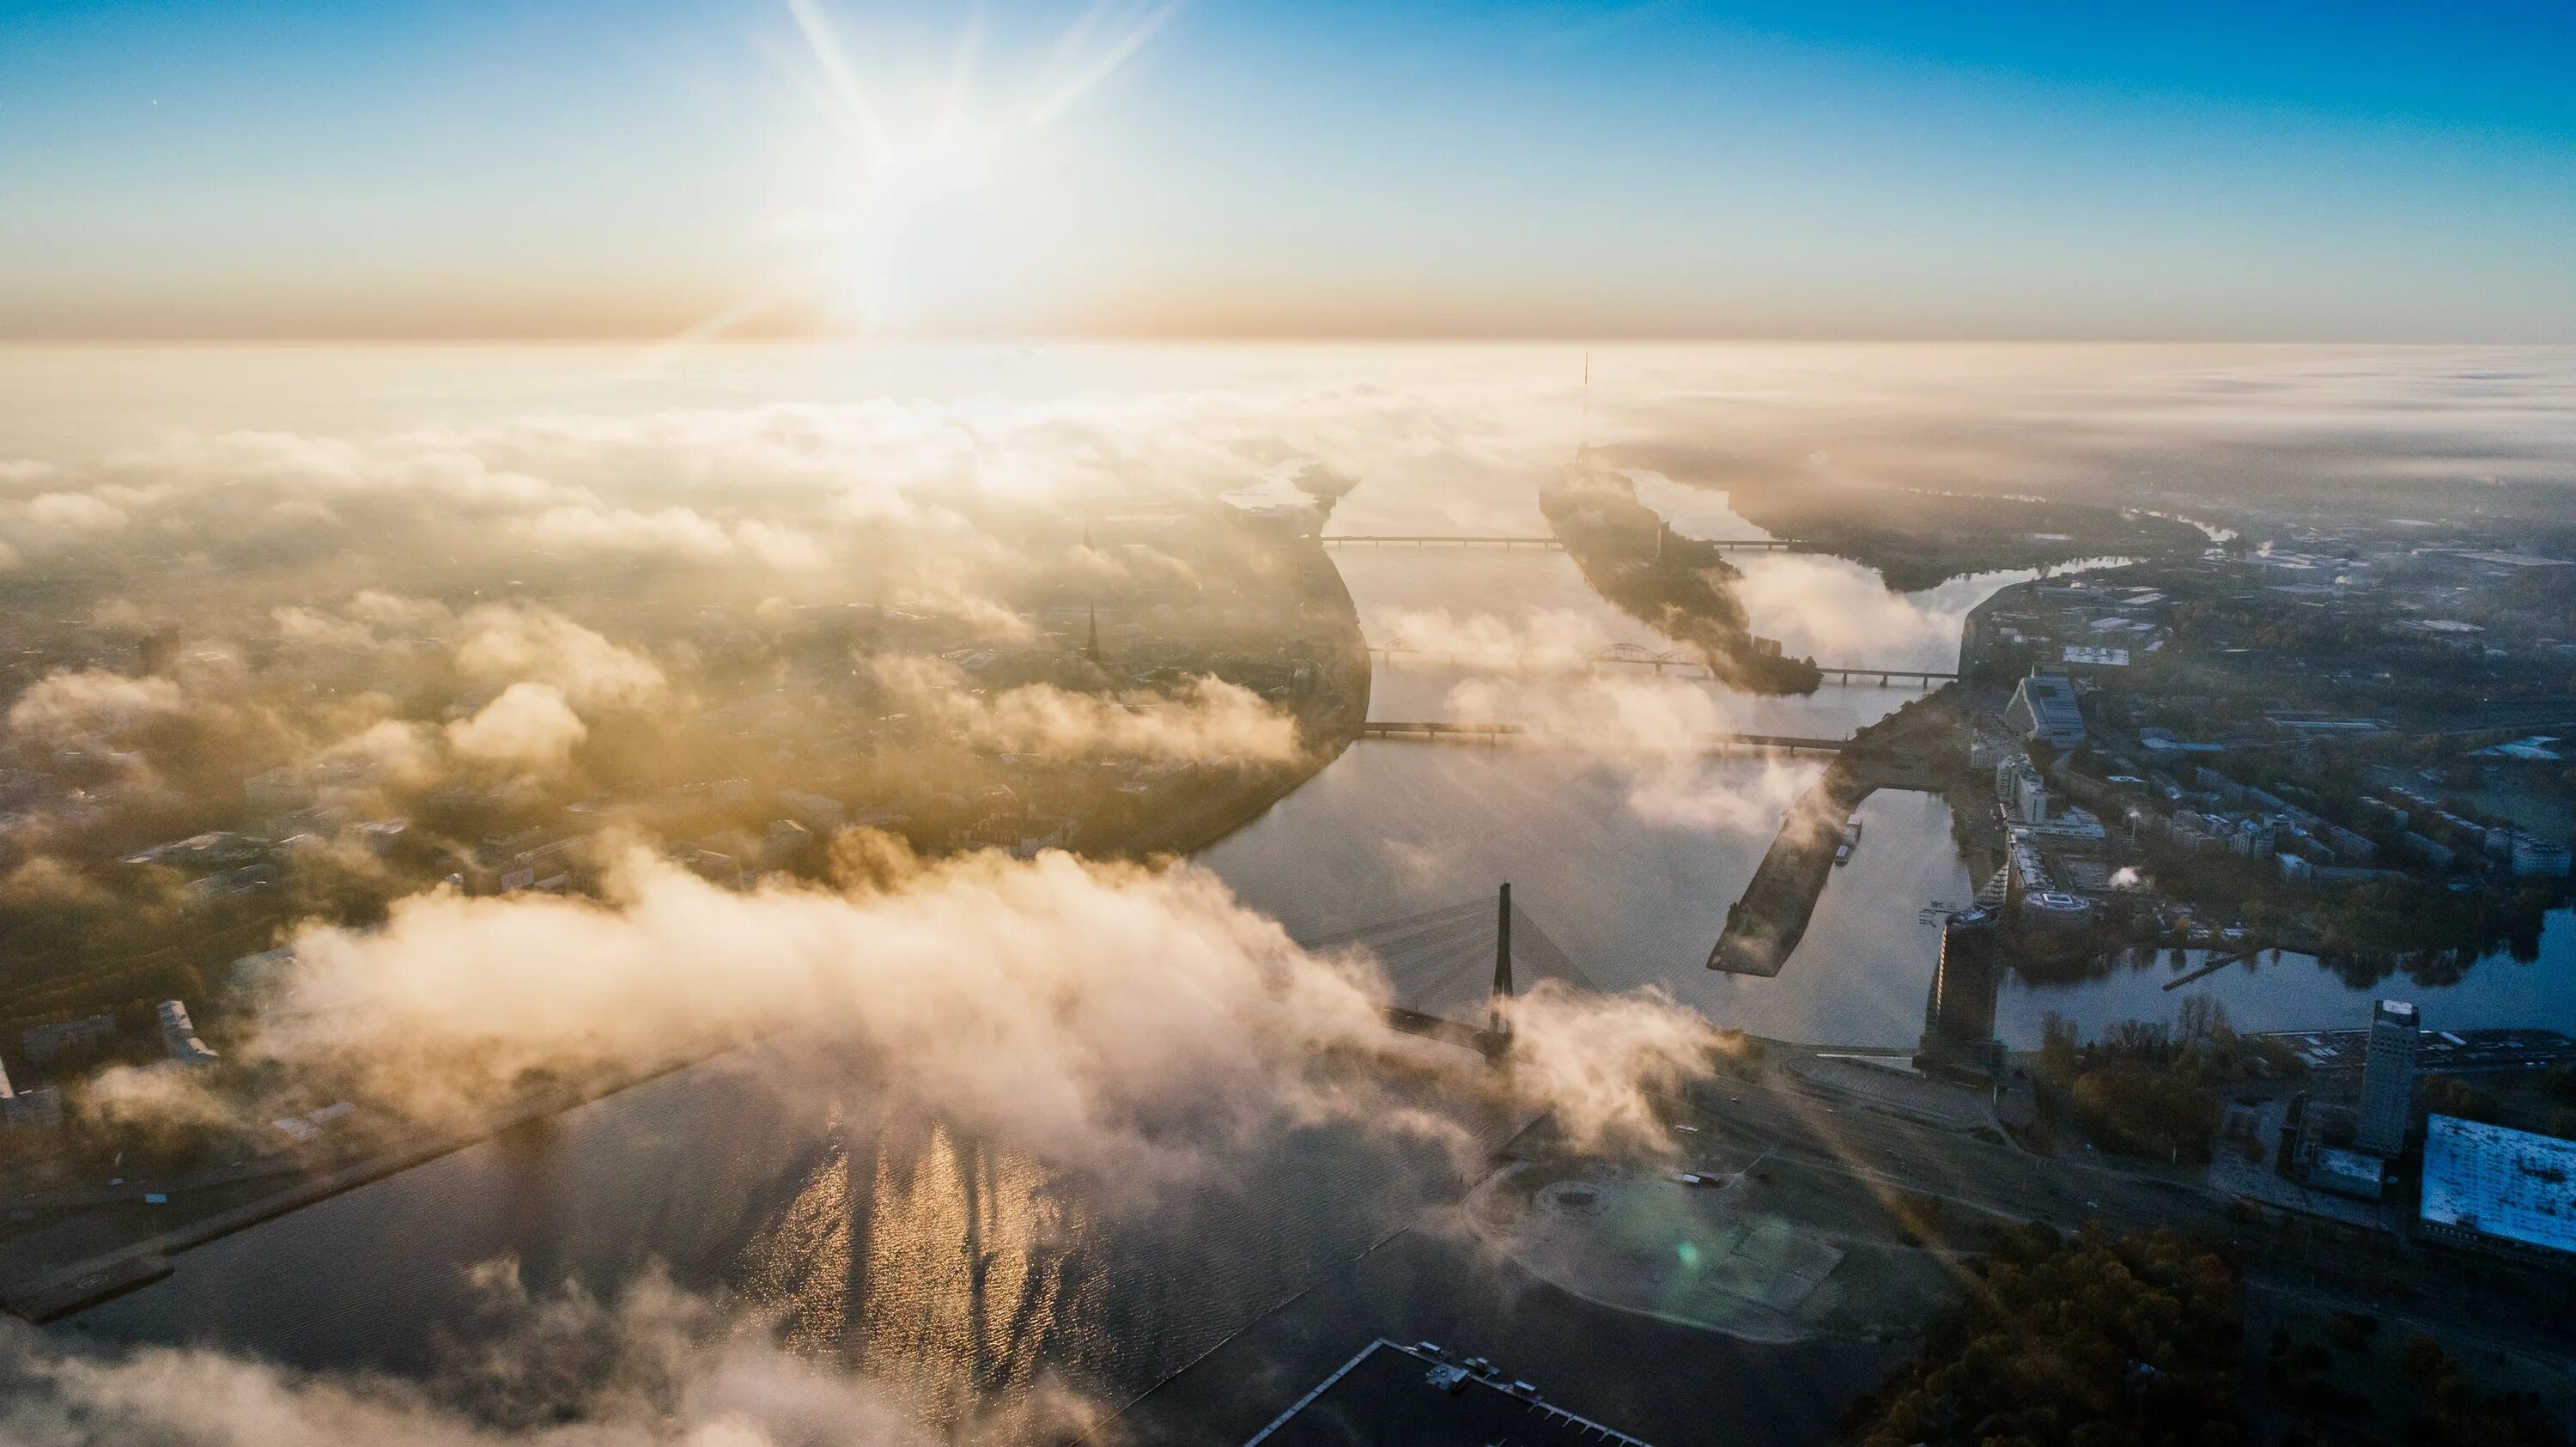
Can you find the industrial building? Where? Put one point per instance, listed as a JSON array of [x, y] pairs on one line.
[[2043, 708], [2388, 1078], [2500, 1189]]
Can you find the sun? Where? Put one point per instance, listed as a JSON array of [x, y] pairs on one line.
[[921, 161]]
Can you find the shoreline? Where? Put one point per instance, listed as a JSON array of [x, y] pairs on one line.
[[65, 1290], [1904, 750]]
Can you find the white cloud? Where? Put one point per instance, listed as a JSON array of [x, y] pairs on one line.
[[507, 642], [528, 726]]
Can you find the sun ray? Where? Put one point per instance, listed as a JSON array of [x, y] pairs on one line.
[[835, 65]]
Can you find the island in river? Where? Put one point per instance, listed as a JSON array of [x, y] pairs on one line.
[[1682, 587]]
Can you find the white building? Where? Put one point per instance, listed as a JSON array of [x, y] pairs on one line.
[[2486, 1185], [2388, 1078]]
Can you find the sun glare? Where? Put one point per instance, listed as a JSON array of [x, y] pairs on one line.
[[919, 154]]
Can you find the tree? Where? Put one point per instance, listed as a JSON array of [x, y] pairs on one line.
[[2057, 1049], [2096, 1340]]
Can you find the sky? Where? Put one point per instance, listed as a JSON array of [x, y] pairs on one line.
[[1255, 168]]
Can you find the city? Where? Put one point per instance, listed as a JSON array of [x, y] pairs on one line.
[[787, 723]]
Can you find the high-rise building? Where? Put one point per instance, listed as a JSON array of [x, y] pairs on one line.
[[1959, 1018], [2388, 1078]]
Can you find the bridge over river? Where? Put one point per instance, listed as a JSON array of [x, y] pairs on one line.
[[1451, 968], [1542, 544], [1633, 655], [1493, 733]]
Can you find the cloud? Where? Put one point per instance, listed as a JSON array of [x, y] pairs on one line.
[[1658, 731], [54, 521], [1094, 1015], [91, 705], [1545, 639], [393, 611], [675, 532], [528, 726], [653, 1366], [309, 626], [1827, 608], [73, 512], [1211, 720], [511, 642], [298, 463]]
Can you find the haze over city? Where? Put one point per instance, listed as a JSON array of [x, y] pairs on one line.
[[786, 721]]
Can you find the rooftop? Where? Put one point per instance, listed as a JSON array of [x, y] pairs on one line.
[[2508, 1184], [1418, 1396]]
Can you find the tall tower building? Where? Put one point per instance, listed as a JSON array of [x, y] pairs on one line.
[[2388, 1078], [1959, 1018]]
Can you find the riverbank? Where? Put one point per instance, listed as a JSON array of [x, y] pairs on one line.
[[1328, 721], [48, 1294], [1923, 746]]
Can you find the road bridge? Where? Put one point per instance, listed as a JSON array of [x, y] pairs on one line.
[[1439, 731], [1631, 655], [1542, 544]]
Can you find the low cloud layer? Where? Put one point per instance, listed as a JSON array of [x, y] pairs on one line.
[[1077, 1012], [1208, 721], [1659, 732], [653, 1367]]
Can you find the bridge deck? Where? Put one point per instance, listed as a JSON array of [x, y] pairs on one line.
[[1479, 540], [1658, 662], [1495, 732]]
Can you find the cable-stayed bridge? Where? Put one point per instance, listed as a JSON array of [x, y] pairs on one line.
[[1449, 968]]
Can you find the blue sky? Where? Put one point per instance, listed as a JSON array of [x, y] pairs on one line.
[[412, 168]]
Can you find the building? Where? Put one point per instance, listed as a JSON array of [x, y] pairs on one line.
[[1422, 1396], [2388, 1078], [2500, 1189], [33, 1109], [2347, 1173], [1959, 1017], [2538, 858], [2043, 708], [68, 1040], [179, 1036]]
